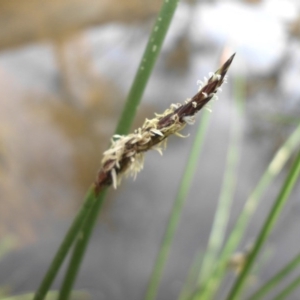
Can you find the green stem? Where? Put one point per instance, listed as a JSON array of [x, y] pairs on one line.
[[146, 65], [145, 68], [289, 289], [192, 277], [174, 218], [51, 295], [275, 166], [81, 244], [60, 255], [267, 227], [274, 281]]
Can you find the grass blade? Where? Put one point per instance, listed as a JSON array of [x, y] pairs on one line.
[[146, 65], [192, 277], [267, 287], [275, 166], [81, 244], [267, 227], [65, 246], [51, 295], [289, 289]]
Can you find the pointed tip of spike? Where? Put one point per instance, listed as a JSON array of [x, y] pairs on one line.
[[230, 59], [223, 70]]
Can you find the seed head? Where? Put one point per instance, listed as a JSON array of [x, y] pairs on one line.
[[126, 153]]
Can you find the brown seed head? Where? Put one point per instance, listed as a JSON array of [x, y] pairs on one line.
[[126, 154]]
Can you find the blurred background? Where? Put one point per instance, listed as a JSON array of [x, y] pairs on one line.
[[65, 70]]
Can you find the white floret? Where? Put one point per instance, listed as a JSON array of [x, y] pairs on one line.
[[114, 177], [189, 119]]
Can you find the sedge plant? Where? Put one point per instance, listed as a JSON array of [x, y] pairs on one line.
[[267, 227], [125, 156], [126, 152], [210, 286], [93, 200]]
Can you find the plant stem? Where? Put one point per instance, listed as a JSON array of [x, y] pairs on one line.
[[61, 253], [175, 214], [274, 281], [81, 244], [146, 65], [267, 227], [275, 166], [145, 68], [289, 289], [192, 277], [51, 295]]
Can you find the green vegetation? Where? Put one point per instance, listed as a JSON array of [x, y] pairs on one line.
[[206, 277]]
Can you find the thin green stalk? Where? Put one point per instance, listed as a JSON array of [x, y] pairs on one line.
[[275, 166], [60, 255], [51, 295], [175, 214], [274, 281], [289, 289], [222, 214], [192, 277], [145, 68], [267, 228], [81, 244], [146, 65]]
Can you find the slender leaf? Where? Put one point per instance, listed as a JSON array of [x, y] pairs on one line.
[[275, 166], [81, 244], [65, 246], [51, 295], [275, 280], [289, 289], [267, 228], [192, 277]]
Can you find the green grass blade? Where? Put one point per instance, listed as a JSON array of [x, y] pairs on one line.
[[275, 280], [192, 277], [146, 65], [51, 295], [275, 166], [289, 289], [145, 68], [267, 227], [65, 246], [81, 244], [222, 214], [175, 214]]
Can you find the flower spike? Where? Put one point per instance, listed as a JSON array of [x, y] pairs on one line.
[[126, 153]]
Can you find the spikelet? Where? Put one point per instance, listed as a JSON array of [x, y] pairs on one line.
[[126, 153]]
